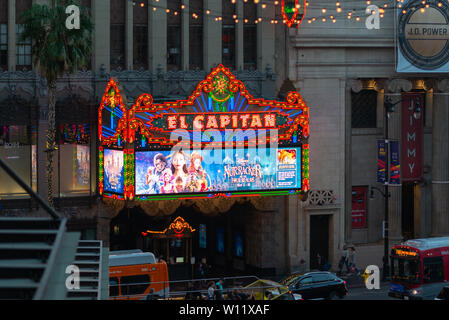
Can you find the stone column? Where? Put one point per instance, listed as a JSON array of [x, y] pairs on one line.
[[12, 35], [185, 35], [101, 35], [239, 58], [352, 85], [212, 35], [393, 91], [265, 37], [158, 36], [440, 160], [129, 37]]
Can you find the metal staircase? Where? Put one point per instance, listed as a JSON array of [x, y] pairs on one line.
[[91, 259], [35, 253]]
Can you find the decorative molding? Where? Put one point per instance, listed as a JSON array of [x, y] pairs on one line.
[[321, 197], [355, 85], [398, 85]]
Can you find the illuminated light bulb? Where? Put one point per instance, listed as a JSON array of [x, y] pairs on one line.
[[399, 5], [357, 18], [404, 11], [276, 3], [183, 7], [154, 8], [338, 9], [385, 5], [323, 10], [333, 21], [260, 19], [382, 15], [324, 19], [246, 20], [313, 19], [368, 2], [307, 3], [168, 10], [236, 20], [427, 5], [256, 1], [349, 17], [142, 4], [220, 18], [309, 21], [423, 10], [337, 4], [264, 5], [440, 4], [234, 16]]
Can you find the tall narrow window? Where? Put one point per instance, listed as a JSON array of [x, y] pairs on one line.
[[117, 45], [140, 34], [196, 35], [87, 4], [174, 54], [250, 35], [23, 48], [4, 35], [364, 109], [228, 34]]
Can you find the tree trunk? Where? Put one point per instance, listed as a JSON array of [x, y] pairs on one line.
[[51, 134]]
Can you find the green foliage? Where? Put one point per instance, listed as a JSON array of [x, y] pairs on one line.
[[56, 49]]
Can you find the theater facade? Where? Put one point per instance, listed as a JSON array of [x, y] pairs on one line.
[[208, 178]]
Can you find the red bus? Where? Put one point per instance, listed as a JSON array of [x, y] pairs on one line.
[[419, 268]]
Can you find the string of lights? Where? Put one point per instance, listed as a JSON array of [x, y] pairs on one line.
[[315, 12]]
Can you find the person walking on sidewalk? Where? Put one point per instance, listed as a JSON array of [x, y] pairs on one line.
[[351, 261], [344, 260]]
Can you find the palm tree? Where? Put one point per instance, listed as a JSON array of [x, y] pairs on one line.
[[56, 50]]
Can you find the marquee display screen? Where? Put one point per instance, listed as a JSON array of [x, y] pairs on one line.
[[161, 172], [113, 171]]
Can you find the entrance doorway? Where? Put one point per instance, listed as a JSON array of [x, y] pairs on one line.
[[408, 210], [319, 240]]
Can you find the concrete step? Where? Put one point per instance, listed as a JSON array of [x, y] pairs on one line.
[[18, 283], [28, 223]]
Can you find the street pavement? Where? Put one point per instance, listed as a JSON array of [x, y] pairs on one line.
[[362, 293]]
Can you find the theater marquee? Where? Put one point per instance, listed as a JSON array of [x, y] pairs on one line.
[[220, 141]]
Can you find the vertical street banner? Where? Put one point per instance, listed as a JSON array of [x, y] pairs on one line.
[[422, 32], [381, 161], [412, 136], [395, 164]]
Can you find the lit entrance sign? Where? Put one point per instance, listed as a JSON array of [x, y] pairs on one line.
[[220, 141]]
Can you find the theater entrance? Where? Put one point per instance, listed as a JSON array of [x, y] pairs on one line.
[[186, 238]]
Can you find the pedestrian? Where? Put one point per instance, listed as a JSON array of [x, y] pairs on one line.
[[210, 290], [343, 260], [219, 289], [351, 261]]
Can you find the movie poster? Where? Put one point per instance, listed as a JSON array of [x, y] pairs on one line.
[[82, 172], [162, 172], [113, 171]]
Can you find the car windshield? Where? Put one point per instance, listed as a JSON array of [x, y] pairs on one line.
[[405, 270]]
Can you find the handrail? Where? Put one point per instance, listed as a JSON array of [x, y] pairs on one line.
[[30, 191]]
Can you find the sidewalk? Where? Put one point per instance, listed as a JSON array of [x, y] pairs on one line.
[[357, 281]]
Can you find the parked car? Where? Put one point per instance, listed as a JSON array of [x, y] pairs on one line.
[[316, 285], [444, 294]]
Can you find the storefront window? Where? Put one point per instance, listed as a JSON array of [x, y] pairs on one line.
[[74, 160], [74, 131], [19, 152]]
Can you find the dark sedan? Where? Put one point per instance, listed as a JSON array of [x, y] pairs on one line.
[[317, 285]]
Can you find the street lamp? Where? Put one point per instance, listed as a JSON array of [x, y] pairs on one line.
[[389, 108]]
